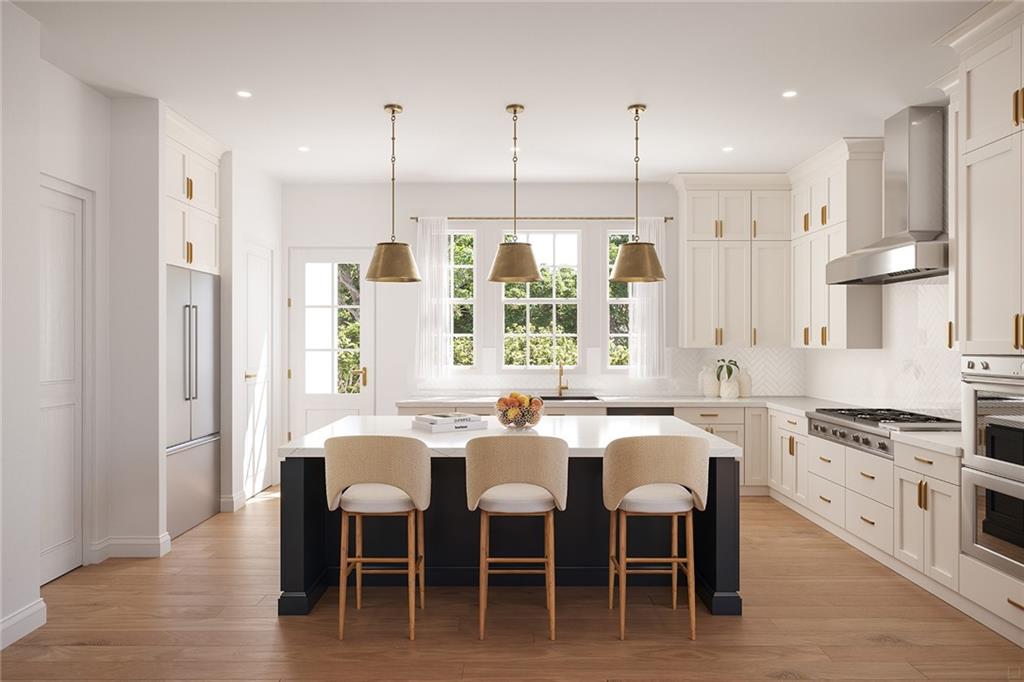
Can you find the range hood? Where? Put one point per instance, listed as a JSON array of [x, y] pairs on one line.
[[914, 243]]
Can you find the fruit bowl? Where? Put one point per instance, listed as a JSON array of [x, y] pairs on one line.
[[519, 410]]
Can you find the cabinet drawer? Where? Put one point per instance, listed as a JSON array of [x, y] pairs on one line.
[[827, 499], [992, 590], [790, 422], [869, 475], [869, 520], [710, 415], [928, 463], [828, 460]]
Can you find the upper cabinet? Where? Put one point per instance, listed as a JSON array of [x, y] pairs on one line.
[[990, 75], [712, 214], [838, 194], [191, 196], [769, 213]]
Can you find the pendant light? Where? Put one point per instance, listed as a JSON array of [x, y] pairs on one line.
[[514, 261], [393, 261], [637, 261]]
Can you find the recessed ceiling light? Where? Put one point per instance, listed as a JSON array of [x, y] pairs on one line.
[[789, 93], [244, 94], [303, 148], [727, 149]]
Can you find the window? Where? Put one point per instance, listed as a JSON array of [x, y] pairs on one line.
[[462, 296], [332, 328], [540, 323], [619, 300]]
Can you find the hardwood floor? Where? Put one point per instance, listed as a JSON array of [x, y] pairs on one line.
[[814, 609]]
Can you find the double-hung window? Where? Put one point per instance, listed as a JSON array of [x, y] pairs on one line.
[[462, 296], [619, 301], [541, 319]]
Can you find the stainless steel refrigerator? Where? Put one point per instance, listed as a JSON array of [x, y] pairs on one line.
[[193, 398]]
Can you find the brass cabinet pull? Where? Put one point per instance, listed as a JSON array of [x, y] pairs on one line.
[[949, 334], [867, 520], [709, 414], [923, 460], [807, 222], [824, 336], [824, 499], [721, 336], [188, 188], [792, 445], [826, 460], [924, 495], [868, 476], [1016, 108], [1016, 331], [188, 252], [1013, 602], [791, 421], [754, 235], [754, 337], [711, 429], [807, 336], [1020, 320], [824, 215], [919, 504]]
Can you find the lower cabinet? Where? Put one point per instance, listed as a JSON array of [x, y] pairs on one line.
[[791, 471], [755, 446], [869, 520], [828, 499], [926, 527]]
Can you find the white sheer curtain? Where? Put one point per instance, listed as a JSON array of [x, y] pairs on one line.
[[647, 312], [434, 331]]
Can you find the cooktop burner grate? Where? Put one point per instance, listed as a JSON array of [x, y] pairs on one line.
[[884, 416]]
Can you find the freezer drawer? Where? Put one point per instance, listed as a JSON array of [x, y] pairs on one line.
[[193, 484]]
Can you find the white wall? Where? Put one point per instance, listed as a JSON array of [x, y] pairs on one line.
[[913, 371], [74, 146], [251, 219], [21, 608]]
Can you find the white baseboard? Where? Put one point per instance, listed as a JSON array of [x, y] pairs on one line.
[[232, 502], [130, 547], [21, 622], [753, 490], [954, 599]]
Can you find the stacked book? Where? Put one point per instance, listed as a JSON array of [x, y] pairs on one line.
[[449, 421]]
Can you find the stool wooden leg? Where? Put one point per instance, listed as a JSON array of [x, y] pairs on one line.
[[622, 557], [549, 569], [691, 591], [484, 543], [343, 575], [422, 558], [359, 565], [675, 566], [410, 549], [612, 533]]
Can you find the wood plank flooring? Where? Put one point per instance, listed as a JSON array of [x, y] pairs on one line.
[[814, 609]]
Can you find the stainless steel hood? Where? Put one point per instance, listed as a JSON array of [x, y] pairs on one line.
[[914, 243]]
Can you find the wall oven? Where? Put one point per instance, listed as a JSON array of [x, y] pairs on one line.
[[992, 516]]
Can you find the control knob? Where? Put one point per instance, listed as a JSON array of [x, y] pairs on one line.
[[835, 432], [882, 445], [856, 439], [842, 434]]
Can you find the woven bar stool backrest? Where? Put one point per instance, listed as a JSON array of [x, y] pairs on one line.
[[641, 460], [392, 460], [538, 460]]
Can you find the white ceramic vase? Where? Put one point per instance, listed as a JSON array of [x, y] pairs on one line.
[[708, 382], [730, 388], [745, 382]]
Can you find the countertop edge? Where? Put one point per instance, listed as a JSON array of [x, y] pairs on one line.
[[934, 441]]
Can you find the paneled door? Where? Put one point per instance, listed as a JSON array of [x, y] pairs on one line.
[[61, 228], [257, 465], [331, 337]]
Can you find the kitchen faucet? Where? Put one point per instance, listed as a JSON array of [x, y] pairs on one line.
[[563, 385]]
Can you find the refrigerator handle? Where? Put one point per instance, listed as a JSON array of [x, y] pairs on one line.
[[195, 352], [187, 352]]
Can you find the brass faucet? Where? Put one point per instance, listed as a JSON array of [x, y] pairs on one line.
[[563, 385]]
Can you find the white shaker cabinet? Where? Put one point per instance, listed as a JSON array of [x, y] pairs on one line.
[[990, 244], [718, 214], [192, 237], [756, 442], [800, 311], [990, 77], [733, 294], [926, 525], [769, 212], [801, 212], [717, 294], [769, 302], [700, 324]]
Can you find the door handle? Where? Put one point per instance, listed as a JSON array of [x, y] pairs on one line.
[[362, 373], [1016, 108], [1016, 331], [195, 346], [949, 335], [187, 352], [807, 336], [824, 336], [791, 445], [920, 495], [807, 222], [924, 495], [754, 339]]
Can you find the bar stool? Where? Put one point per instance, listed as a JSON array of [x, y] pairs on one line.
[[654, 476], [524, 475], [378, 476]]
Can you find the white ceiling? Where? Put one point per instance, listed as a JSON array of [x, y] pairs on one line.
[[711, 75]]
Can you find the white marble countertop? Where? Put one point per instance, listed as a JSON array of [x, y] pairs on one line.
[[798, 405], [587, 436], [944, 442]]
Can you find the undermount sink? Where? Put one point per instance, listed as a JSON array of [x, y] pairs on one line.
[[546, 398]]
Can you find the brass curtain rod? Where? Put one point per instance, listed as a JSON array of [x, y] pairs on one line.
[[605, 218]]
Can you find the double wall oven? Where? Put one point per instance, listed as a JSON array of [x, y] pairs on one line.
[[993, 475]]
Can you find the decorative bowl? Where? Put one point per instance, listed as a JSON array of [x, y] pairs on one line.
[[518, 410]]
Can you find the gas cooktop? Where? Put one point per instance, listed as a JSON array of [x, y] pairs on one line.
[[871, 429]]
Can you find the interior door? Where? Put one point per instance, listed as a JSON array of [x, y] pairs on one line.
[[331, 337], [258, 469], [61, 227]]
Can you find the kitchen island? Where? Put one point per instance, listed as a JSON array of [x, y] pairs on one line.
[[310, 532]]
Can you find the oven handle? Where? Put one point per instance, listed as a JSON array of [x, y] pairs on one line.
[[1019, 382]]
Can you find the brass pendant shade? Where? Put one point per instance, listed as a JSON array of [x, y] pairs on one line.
[[393, 261], [514, 261], [637, 261]]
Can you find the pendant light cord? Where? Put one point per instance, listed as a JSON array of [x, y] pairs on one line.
[[515, 174], [392, 175], [636, 174]]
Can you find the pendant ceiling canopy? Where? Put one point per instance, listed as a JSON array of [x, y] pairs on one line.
[[637, 261], [393, 261], [514, 261]]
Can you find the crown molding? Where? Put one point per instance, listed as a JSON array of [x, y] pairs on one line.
[[986, 20], [840, 151], [730, 181]]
